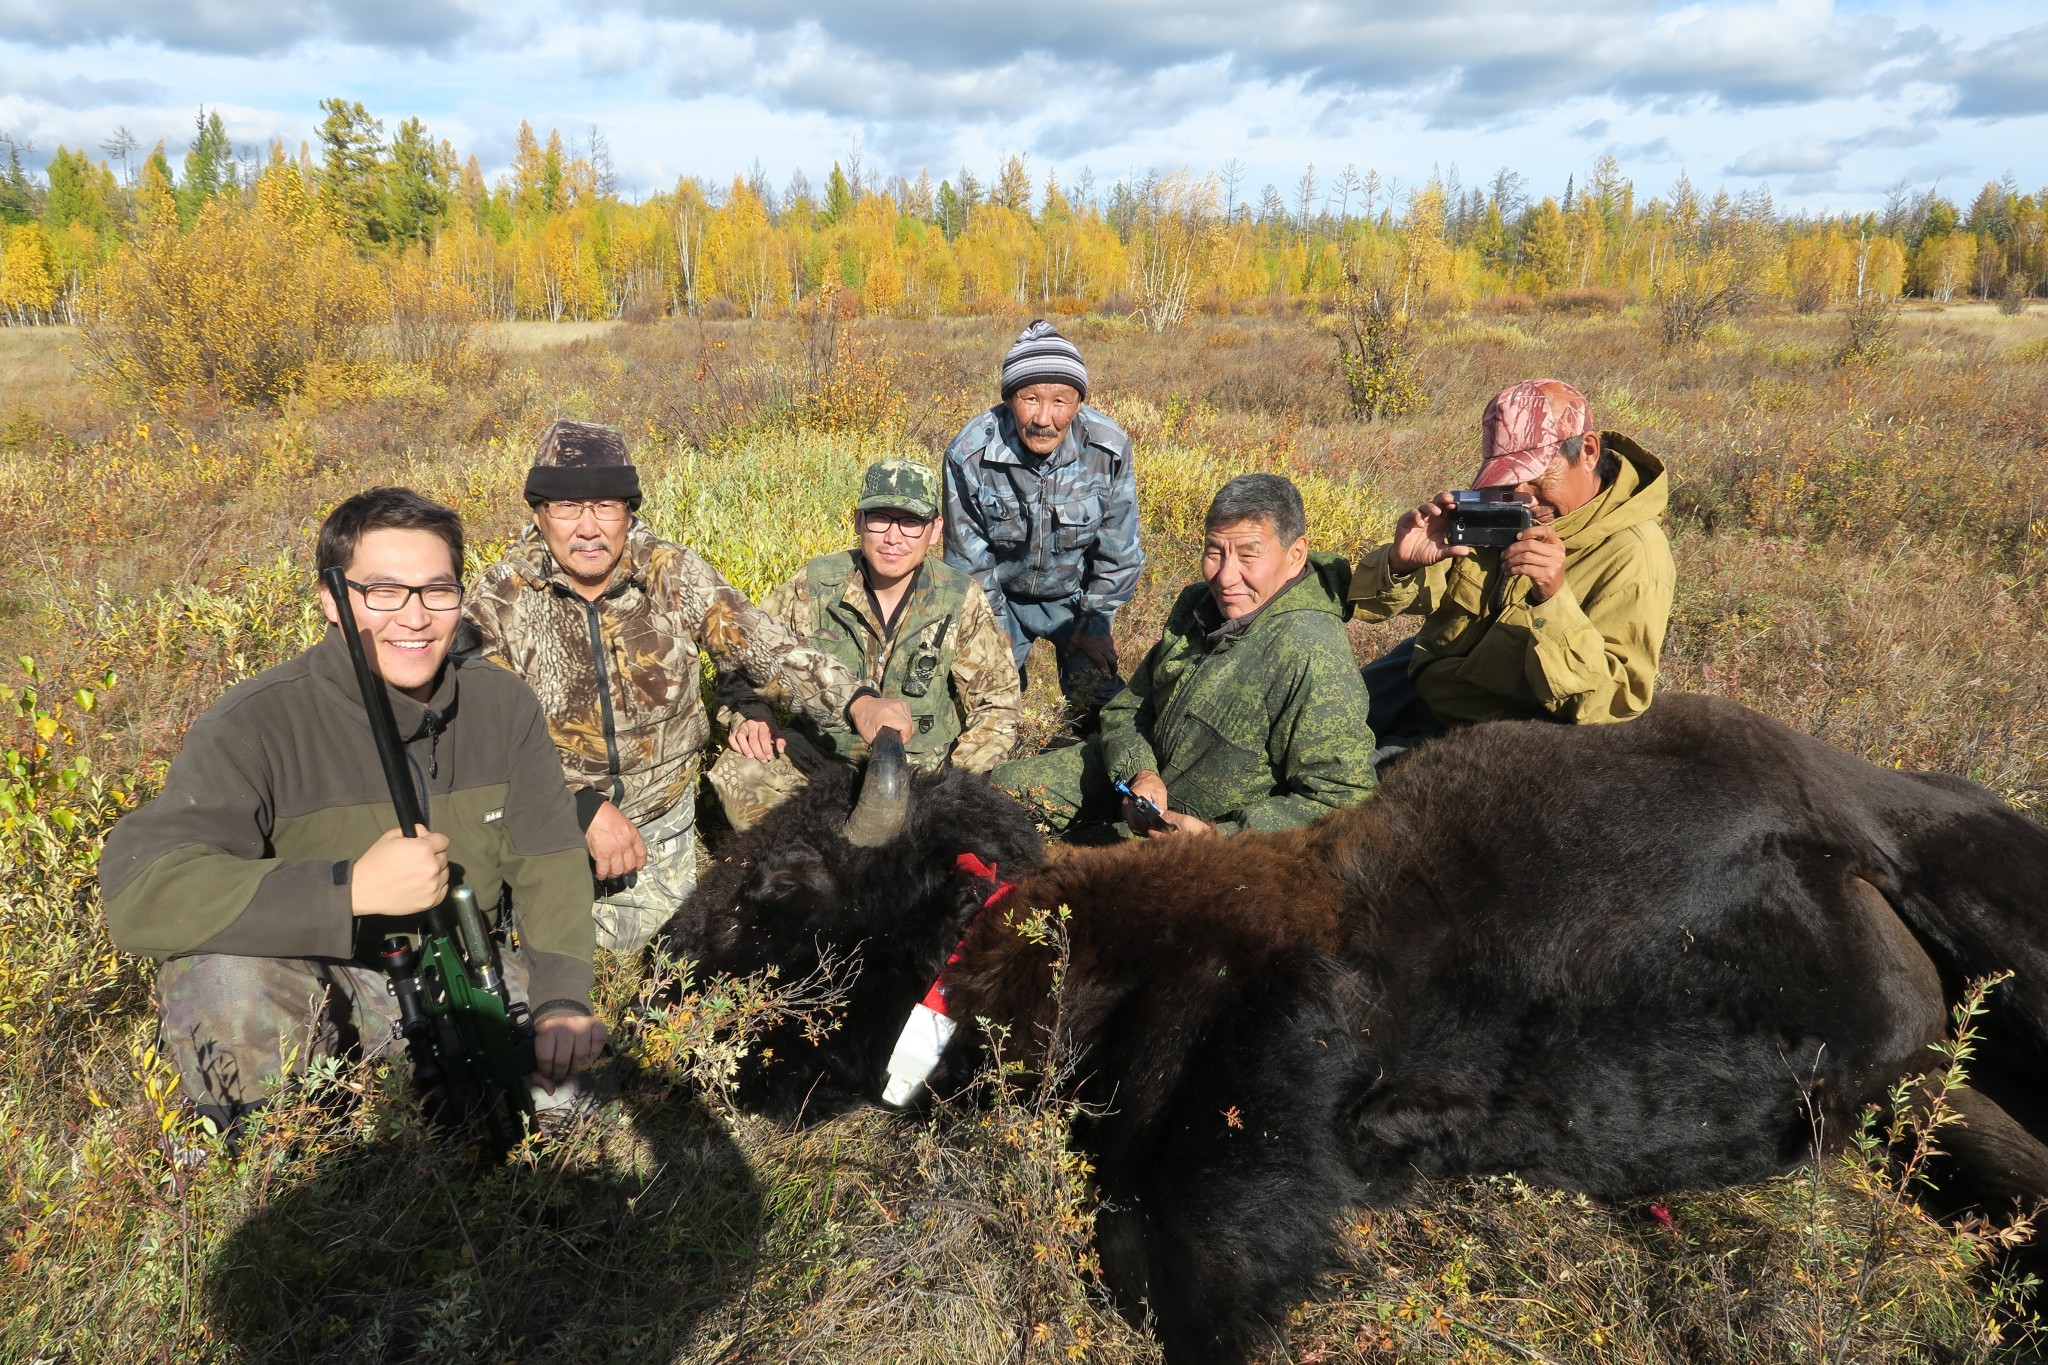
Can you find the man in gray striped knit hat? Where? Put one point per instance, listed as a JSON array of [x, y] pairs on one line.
[[1042, 509]]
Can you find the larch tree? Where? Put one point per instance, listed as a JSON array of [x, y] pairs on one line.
[[350, 176]]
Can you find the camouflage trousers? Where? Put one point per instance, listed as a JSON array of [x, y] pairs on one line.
[[629, 909], [1086, 685], [234, 1025], [748, 788], [1065, 788]]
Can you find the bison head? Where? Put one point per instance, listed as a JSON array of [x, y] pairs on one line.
[[862, 869]]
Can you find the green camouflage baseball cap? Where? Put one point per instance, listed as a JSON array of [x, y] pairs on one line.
[[901, 486]]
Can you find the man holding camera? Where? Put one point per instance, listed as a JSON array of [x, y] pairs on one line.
[[1564, 618]]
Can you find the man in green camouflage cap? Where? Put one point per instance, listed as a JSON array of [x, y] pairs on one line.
[[909, 625]]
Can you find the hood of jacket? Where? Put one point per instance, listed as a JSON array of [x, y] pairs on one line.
[[1640, 492]]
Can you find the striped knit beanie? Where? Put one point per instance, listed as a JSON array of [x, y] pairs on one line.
[[1042, 356]]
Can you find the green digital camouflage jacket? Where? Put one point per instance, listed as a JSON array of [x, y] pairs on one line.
[[1587, 655], [947, 660], [619, 678], [1257, 724]]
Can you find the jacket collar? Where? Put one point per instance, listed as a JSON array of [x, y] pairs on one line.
[[1217, 631], [330, 664], [858, 597], [1639, 493]]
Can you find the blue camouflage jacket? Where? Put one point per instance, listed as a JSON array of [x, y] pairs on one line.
[[1062, 528]]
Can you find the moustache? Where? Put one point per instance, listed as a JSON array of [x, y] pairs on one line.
[[1040, 429]]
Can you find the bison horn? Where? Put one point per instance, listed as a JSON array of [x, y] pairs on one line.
[[884, 803]]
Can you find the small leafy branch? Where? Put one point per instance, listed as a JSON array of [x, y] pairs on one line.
[[1374, 351], [704, 1034], [1890, 1160], [50, 800]]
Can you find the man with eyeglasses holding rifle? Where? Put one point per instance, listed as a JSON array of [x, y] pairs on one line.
[[267, 876], [607, 622], [908, 623]]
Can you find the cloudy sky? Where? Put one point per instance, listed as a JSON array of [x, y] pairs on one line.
[[1826, 104]]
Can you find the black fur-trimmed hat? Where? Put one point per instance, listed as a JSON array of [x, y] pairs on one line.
[[578, 461]]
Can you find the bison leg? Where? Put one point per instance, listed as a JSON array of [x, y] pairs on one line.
[[1998, 1163], [1224, 1217], [1975, 891]]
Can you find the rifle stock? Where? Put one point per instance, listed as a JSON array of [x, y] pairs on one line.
[[471, 1045]]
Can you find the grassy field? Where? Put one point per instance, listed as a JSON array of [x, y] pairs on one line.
[[1861, 547]]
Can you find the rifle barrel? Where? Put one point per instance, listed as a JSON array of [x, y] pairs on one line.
[[383, 725]]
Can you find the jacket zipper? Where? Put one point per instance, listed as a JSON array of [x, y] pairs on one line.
[[419, 781], [604, 702]]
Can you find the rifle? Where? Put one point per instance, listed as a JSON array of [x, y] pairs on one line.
[[471, 1045]]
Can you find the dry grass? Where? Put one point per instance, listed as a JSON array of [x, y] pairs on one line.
[[1860, 552]]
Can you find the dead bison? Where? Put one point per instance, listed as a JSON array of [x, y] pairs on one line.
[[1624, 960]]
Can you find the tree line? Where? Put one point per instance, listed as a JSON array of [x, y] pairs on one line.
[[554, 238]]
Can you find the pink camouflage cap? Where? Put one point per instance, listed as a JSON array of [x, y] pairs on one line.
[[1521, 428]]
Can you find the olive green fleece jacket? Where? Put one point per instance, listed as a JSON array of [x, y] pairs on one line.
[[248, 849], [1251, 724], [1588, 654]]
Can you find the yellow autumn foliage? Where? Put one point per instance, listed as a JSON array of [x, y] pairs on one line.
[[28, 276], [250, 306]]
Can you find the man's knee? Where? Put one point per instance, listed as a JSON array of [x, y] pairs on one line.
[[748, 788], [1051, 784], [232, 1024], [628, 916]]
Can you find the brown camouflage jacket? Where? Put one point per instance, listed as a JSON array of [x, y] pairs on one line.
[[944, 624], [618, 678]]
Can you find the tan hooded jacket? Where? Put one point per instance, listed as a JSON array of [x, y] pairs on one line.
[[1587, 655]]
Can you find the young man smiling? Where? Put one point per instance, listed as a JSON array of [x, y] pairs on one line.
[[913, 627], [267, 873], [1249, 712]]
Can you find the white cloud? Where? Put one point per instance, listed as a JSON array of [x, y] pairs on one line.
[[241, 27], [2005, 78], [1827, 94]]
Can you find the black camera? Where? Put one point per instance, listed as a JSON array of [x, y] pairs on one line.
[[1485, 520]]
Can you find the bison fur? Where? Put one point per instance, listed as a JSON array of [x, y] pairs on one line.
[[1624, 960]]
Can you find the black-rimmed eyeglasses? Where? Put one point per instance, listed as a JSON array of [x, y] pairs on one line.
[[879, 521], [394, 596]]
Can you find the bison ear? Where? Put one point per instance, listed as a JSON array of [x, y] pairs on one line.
[[788, 875], [1416, 1118]]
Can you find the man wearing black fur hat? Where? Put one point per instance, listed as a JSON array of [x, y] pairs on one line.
[[1042, 508], [606, 622]]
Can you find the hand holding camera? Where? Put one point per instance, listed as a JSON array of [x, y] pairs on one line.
[[1421, 537], [1452, 525], [1537, 555]]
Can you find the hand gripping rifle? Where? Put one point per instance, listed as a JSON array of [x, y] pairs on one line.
[[471, 1046]]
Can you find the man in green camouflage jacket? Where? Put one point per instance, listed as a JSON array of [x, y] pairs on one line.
[[606, 622], [908, 623], [1249, 713]]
